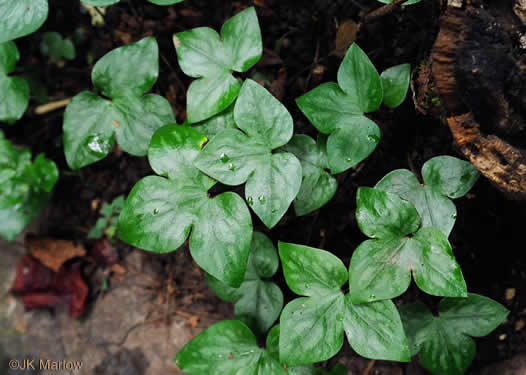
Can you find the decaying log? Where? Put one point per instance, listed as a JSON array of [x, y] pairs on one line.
[[479, 70]]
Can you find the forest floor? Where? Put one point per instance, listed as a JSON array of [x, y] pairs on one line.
[[151, 305]]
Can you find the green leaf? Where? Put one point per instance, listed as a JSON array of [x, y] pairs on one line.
[[444, 342], [443, 176], [358, 77], [21, 17], [233, 157], [100, 3], [14, 91], [165, 2], [318, 186], [395, 82], [216, 124], [203, 54], [160, 212], [309, 271], [258, 302], [98, 230], [25, 187], [450, 176], [374, 330], [338, 111], [381, 269], [91, 123], [55, 47]]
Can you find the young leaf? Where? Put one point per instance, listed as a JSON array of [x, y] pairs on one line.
[[258, 302], [25, 187], [318, 186], [56, 47], [160, 212], [381, 268], [21, 17], [236, 156], [203, 54], [14, 90], [395, 82], [444, 342], [444, 176], [338, 110], [92, 122], [312, 327]]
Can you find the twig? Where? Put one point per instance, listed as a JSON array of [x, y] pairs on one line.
[[50, 107], [369, 367], [380, 12]]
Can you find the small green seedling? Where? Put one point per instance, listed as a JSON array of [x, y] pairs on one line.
[[312, 327], [229, 347], [13, 90], [104, 3], [107, 224], [444, 177], [258, 301], [444, 341], [204, 54], [381, 268], [25, 187], [21, 17], [338, 109], [91, 122], [56, 48], [160, 212], [236, 156]]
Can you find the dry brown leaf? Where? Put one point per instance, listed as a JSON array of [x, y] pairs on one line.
[[53, 253], [193, 321], [345, 36]]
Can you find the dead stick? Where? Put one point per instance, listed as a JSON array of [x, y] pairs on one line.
[[380, 12], [50, 107], [369, 367]]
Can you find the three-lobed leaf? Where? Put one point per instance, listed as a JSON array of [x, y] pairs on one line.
[[312, 327], [444, 177], [381, 268], [160, 212], [258, 302], [245, 155], [204, 54], [14, 91], [92, 123], [444, 341], [21, 17]]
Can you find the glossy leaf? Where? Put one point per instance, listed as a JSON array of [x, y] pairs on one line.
[[234, 157], [56, 47], [312, 327], [338, 110], [318, 186], [444, 342], [258, 301], [92, 123], [444, 176], [160, 212], [14, 91], [204, 54], [25, 187], [381, 268], [21, 17], [216, 124], [395, 83]]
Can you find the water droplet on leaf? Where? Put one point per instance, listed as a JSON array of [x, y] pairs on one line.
[[231, 166], [348, 160], [372, 296], [373, 138], [250, 201], [155, 211], [261, 199], [224, 158], [99, 145], [339, 317]]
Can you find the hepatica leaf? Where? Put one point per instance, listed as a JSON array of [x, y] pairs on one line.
[[56, 47], [381, 268], [210, 57], [21, 17], [160, 212], [258, 301], [92, 122], [395, 83], [25, 187], [444, 177], [318, 186], [444, 342], [236, 156], [216, 124], [14, 91], [312, 327]]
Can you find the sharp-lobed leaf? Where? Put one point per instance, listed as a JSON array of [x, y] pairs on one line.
[[395, 83], [21, 17], [444, 342], [234, 157], [14, 91], [338, 110], [159, 212], [203, 53], [318, 186], [92, 123]]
